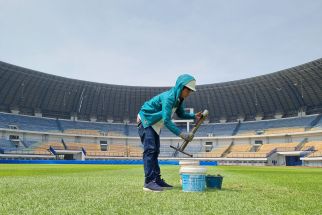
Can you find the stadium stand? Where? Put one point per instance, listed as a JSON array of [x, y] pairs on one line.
[[318, 124], [276, 126], [7, 145], [284, 92], [215, 153], [27, 123], [266, 148], [91, 128], [222, 129], [264, 151], [135, 151], [40, 109], [36, 149], [132, 130], [315, 147]]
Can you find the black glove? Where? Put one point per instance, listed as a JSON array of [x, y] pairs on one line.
[[186, 136]]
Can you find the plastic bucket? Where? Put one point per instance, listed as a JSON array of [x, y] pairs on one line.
[[185, 163], [193, 178], [214, 181]]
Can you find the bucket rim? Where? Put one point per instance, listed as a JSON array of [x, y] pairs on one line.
[[193, 170]]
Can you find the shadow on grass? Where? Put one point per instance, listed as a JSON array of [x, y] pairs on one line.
[[209, 190]]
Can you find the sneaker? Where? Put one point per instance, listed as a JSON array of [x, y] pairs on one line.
[[163, 184], [152, 186]]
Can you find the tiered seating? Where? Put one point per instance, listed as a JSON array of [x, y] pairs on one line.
[[55, 145], [316, 154], [89, 147], [224, 129], [282, 147], [92, 128], [276, 126], [114, 150], [215, 153], [314, 145], [115, 133], [241, 148], [43, 149], [29, 143], [318, 125], [135, 151], [247, 155], [7, 145], [28, 123], [83, 132], [246, 133], [262, 152], [73, 146], [315, 128], [167, 133], [205, 130], [237, 150], [117, 150], [132, 130], [92, 149], [283, 130]]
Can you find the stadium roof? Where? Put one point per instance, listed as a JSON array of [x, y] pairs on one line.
[[284, 92]]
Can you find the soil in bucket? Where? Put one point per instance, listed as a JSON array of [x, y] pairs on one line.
[[185, 163], [214, 181]]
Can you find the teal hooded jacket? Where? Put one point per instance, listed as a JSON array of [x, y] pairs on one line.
[[160, 106]]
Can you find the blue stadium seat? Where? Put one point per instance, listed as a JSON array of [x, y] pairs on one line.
[[277, 123], [28, 122]]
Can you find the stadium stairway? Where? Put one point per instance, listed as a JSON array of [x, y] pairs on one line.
[[24, 143], [126, 130], [59, 125], [64, 144], [235, 131], [315, 121], [301, 144], [227, 151], [52, 150]]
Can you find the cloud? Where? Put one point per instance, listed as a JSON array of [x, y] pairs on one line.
[[151, 44]]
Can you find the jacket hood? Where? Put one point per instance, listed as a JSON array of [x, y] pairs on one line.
[[182, 80]]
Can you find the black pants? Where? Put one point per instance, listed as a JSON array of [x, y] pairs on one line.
[[151, 142]]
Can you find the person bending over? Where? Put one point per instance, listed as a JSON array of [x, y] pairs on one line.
[[153, 115]]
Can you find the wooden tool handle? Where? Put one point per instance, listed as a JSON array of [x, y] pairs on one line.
[[194, 130]]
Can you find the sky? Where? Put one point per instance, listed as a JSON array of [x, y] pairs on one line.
[[152, 42]]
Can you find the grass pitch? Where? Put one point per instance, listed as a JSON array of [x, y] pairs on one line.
[[117, 189]]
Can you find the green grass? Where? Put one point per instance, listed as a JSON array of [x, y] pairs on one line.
[[117, 189]]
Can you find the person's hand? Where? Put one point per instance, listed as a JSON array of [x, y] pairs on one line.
[[186, 136], [198, 115]]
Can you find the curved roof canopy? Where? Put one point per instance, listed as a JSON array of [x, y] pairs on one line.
[[284, 92]]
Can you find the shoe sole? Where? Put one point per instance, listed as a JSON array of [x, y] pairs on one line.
[[149, 190]]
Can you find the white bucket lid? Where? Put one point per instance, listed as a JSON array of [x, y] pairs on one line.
[[189, 162], [193, 169]]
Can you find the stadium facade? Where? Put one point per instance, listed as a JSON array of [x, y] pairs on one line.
[[51, 117]]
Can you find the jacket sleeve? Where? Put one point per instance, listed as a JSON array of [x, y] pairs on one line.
[[167, 106], [184, 115]]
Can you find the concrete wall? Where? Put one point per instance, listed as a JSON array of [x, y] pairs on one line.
[[313, 163]]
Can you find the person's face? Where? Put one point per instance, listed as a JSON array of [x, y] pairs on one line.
[[185, 92]]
